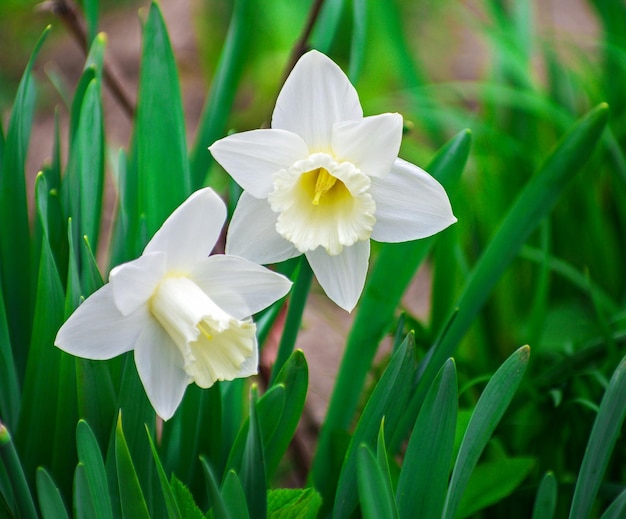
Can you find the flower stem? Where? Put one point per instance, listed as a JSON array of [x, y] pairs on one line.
[[294, 316], [13, 467]]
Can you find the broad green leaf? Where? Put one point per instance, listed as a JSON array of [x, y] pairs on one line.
[[90, 457], [253, 474], [163, 167], [375, 314], [24, 506], [50, 500], [425, 469], [216, 502], [84, 505], [376, 498], [531, 206], [388, 400], [617, 509], [493, 481], [545, 501], [489, 410], [133, 504], [170, 502], [293, 503], [234, 497], [15, 247], [219, 102], [604, 434]]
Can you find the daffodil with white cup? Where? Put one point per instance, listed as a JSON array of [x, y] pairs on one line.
[[185, 314], [324, 180]]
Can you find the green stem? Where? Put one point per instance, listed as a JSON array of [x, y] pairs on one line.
[[13, 467], [294, 316]]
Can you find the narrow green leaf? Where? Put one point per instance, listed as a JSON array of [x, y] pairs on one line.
[[84, 507], [218, 105], [91, 14], [388, 400], [168, 496], [358, 45], [531, 206], [545, 501], [253, 476], [15, 257], [49, 497], [383, 459], [24, 505], [90, 457], [374, 494], [489, 410], [163, 167], [131, 497], [9, 386], [234, 497], [296, 503], [425, 470], [617, 509], [217, 505], [326, 26], [375, 314], [604, 434]]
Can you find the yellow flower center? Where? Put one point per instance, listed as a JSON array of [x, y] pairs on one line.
[[324, 183]]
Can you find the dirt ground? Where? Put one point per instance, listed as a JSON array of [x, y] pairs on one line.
[[325, 326]]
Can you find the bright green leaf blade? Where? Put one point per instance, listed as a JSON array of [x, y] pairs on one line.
[[223, 88], [532, 205], [49, 497], [132, 501], [84, 507], [491, 482], [606, 429], [359, 40], [326, 27], [425, 470], [388, 400], [90, 456], [91, 15], [184, 500], [234, 497], [15, 247], [617, 509], [545, 501], [216, 502], [296, 503], [253, 476], [172, 507], [375, 313], [163, 167], [376, 499], [489, 410]]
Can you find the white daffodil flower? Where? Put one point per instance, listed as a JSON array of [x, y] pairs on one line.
[[185, 314], [324, 180]]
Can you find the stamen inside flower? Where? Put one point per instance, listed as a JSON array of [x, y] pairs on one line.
[[322, 203], [213, 344]]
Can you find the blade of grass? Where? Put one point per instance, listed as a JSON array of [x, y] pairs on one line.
[[606, 429], [376, 499], [170, 502], [545, 502], [253, 477], [49, 497], [217, 506], [489, 410]]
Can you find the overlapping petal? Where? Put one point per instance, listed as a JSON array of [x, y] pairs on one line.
[[371, 144], [191, 231], [238, 286], [252, 233], [97, 330], [160, 367], [252, 157], [316, 96], [410, 204], [343, 276]]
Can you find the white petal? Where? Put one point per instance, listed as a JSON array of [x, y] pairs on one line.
[[343, 276], [97, 330], [238, 286], [371, 144], [160, 367], [250, 366], [134, 282], [191, 231], [410, 204], [252, 233], [316, 96], [251, 158]]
